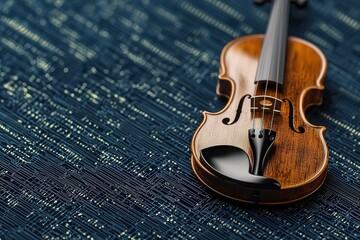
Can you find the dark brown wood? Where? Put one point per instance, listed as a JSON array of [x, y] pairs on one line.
[[299, 161]]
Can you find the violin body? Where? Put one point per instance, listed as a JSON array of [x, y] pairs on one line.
[[297, 163]]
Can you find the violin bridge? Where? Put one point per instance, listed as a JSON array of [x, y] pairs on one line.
[[268, 104]]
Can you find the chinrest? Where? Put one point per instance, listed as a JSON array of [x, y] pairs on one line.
[[232, 163]]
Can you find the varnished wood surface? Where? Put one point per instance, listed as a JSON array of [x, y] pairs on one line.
[[299, 161]]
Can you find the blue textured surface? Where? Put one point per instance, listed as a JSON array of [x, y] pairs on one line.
[[99, 101]]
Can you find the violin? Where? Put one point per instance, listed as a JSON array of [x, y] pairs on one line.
[[260, 148]]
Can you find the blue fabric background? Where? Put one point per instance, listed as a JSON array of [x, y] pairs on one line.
[[99, 101]]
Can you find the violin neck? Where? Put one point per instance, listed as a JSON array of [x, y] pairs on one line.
[[272, 59]]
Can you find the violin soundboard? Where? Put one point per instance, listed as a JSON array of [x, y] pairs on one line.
[[98, 103]]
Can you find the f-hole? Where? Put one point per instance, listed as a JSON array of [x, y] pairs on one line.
[[238, 111], [291, 118]]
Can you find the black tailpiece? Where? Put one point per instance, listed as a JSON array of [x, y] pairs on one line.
[[232, 163]]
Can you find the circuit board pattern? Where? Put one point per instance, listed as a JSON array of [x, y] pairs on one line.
[[99, 101]]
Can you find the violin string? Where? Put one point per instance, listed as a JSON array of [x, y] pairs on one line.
[[253, 110], [254, 96], [276, 86], [263, 107], [277, 82], [276, 90]]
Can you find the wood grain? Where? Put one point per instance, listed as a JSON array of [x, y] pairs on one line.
[[299, 161]]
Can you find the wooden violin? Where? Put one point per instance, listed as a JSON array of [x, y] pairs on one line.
[[260, 148]]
